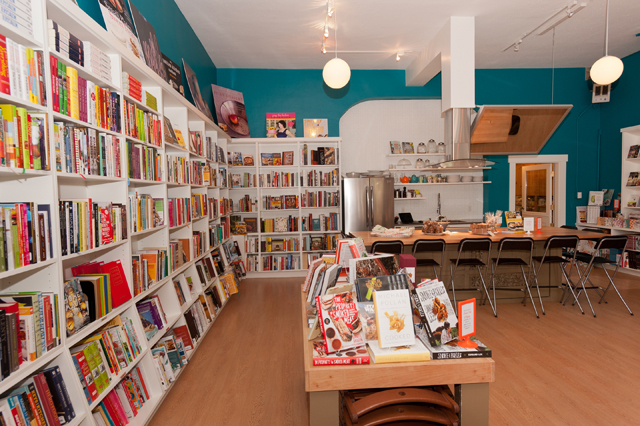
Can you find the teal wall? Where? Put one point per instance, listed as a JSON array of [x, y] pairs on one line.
[[303, 92], [178, 43]]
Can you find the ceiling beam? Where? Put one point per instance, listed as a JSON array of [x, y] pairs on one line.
[[452, 52]]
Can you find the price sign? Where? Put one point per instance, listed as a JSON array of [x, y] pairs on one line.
[[467, 323]]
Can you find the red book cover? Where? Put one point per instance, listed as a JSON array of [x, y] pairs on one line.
[[46, 400], [139, 374], [4, 67], [40, 76], [341, 326], [120, 292], [183, 333], [106, 236], [355, 356], [28, 141], [86, 374], [115, 409]]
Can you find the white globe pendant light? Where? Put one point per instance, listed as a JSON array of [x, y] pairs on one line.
[[607, 69], [336, 73]]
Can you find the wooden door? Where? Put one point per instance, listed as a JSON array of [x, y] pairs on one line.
[[537, 192]]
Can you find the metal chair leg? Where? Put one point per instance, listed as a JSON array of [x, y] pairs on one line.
[[615, 288], [493, 285], [526, 284], [570, 285], [453, 288], [486, 291], [538, 290], [434, 271], [582, 281]]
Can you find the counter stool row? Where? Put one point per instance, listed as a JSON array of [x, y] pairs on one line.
[[583, 262]]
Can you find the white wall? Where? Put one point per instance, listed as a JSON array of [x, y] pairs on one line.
[[366, 130]]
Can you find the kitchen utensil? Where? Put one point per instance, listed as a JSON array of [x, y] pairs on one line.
[[414, 179], [352, 175], [404, 164], [405, 179]]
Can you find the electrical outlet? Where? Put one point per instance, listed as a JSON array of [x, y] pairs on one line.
[[579, 195], [601, 94]]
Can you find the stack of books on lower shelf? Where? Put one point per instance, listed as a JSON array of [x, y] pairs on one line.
[[149, 266], [85, 151], [179, 211], [143, 162], [122, 404], [23, 138], [145, 212], [25, 235]]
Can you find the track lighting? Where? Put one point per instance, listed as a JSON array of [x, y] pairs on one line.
[[324, 49], [329, 9], [399, 55], [326, 30]]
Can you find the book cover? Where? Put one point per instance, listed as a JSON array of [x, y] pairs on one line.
[[281, 125], [76, 307], [365, 287], [147, 319], [338, 316], [281, 224], [633, 179], [372, 266], [451, 350], [329, 155], [394, 318], [158, 212], [266, 159], [180, 138], [395, 147], [287, 158], [169, 134], [120, 24], [408, 353], [148, 42], [236, 159], [277, 159], [514, 222], [407, 148], [173, 75], [436, 312], [230, 111], [247, 160], [252, 224], [194, 88], [316, 128], [355, 356], [633, 151]]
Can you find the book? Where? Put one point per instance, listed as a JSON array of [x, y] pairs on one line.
[[436, 312], [194, 88], [394, 318], [277, 159], [395, 147], [173, 74], [366, 287], [76, 307], [266, 159], [372, 266], [287, 158], [252, 224], [409, 353], [281, 125], [316, 128], [247, 160], [119, 24], [355, 356], [407, 148], [230, 112], [514, 222], [633, 151], [148, 42], [338, 316], [451, 350], [633, 179]]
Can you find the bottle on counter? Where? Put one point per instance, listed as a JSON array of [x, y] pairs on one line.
[[404, 192]]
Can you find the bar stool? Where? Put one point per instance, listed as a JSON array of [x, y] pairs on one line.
[[429, 246], [391, 247], [569, 242], [467, 245], [508, 245], [618, 242]]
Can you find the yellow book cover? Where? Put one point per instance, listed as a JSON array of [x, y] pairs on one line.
[[412, 353], [72, 84], [180, 138], [13, 154], [97, 106], [25, 144]]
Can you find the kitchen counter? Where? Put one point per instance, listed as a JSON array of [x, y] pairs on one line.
[[453, 223]]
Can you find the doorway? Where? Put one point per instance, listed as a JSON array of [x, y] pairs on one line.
[[537, 187]]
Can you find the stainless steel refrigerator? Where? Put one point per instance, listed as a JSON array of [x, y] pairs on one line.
[[367, 202]]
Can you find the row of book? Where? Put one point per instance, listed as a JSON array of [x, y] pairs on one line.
[[85, 151], [245, 180], [326, 242], [29, 328], [42, 399], [85, 224], [177, 169], [199, 205], [278, 179], [100, 358], [199, 239], [148, 267], [320, 178], [281, 202], [179, 210], [83, 53], [196, 172], [216, 234], [324, 222], [21, 70], [81, 99], [142, 125], [246, 204], [23, 138], [131, 86], [275, 263], [179, 253], [17, 14], [143, 162], [320, 199], [145, 212], [320, 156], [122, 404], [25, 235], [279, 224]]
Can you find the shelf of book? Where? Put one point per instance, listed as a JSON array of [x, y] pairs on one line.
[[440, 183], [141, 142], [88, 178], [65, 118], [433, 154], [30, 106], [28, 368], [19, 36], [94, 250]]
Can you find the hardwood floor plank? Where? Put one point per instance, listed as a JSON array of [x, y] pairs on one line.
[[562, 369]]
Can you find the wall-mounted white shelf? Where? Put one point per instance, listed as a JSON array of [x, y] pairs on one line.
[[441, 183], [411, 199], [438, 154]]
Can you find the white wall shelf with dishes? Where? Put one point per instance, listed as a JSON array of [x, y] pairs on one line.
[[436, 154], [77, 181], [285, 186]]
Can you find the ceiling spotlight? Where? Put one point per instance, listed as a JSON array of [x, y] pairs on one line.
[[329, 9], [326, 30], [516, 48], [324, 49], [397, 57]]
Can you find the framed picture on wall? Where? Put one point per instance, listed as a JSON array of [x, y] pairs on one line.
[[395, 147], [230, 112], [407, 148]]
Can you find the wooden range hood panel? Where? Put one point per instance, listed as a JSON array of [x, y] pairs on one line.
[[490, 130]]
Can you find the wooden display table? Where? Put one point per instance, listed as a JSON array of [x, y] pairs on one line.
[[471, 378]]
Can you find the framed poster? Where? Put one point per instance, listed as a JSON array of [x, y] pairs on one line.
[[120, 24]]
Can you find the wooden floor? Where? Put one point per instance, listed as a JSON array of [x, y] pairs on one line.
[[563, 369]]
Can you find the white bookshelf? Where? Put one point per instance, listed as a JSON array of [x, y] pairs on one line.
[[47, 187], [258, 146]]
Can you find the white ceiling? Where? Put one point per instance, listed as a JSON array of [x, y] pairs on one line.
[[287, 34]]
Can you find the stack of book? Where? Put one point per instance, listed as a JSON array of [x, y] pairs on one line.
[[142, 125], [199, 243], [100, 358], [199, 205], [279, 224], [85, 151], [177, 169], [123, 402], [179, 253], [281, 202], [148, 267], [17, 14], [25, 235], [85, 224], [152, 315], [246, 204], [278, 179], [42, 399], [179, 210], [280, 263], [28, 326], [23, 139], [96, 61], [326, 242], [143, 162], [320, 178], [196, 172], [322, 223], [145, 211], [131, 86], [22, 71], [320, 199]]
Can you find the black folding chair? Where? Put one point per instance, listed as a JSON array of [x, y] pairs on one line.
[[569, 243], [391, 247], [618, 242], [469, 245], [429, 246], [511, 245]]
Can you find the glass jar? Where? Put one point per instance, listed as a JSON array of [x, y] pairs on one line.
[[404, 164], [441, 148], [422, 148], [432, 147], [419, 163]]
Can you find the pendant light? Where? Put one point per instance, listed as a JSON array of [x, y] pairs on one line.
[[336, 73], [607, 69]]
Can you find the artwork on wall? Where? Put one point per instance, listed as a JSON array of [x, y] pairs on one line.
[[281, 125], [192, 81], [173, 74], [149, 42], [230, 111], [120, 24]]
